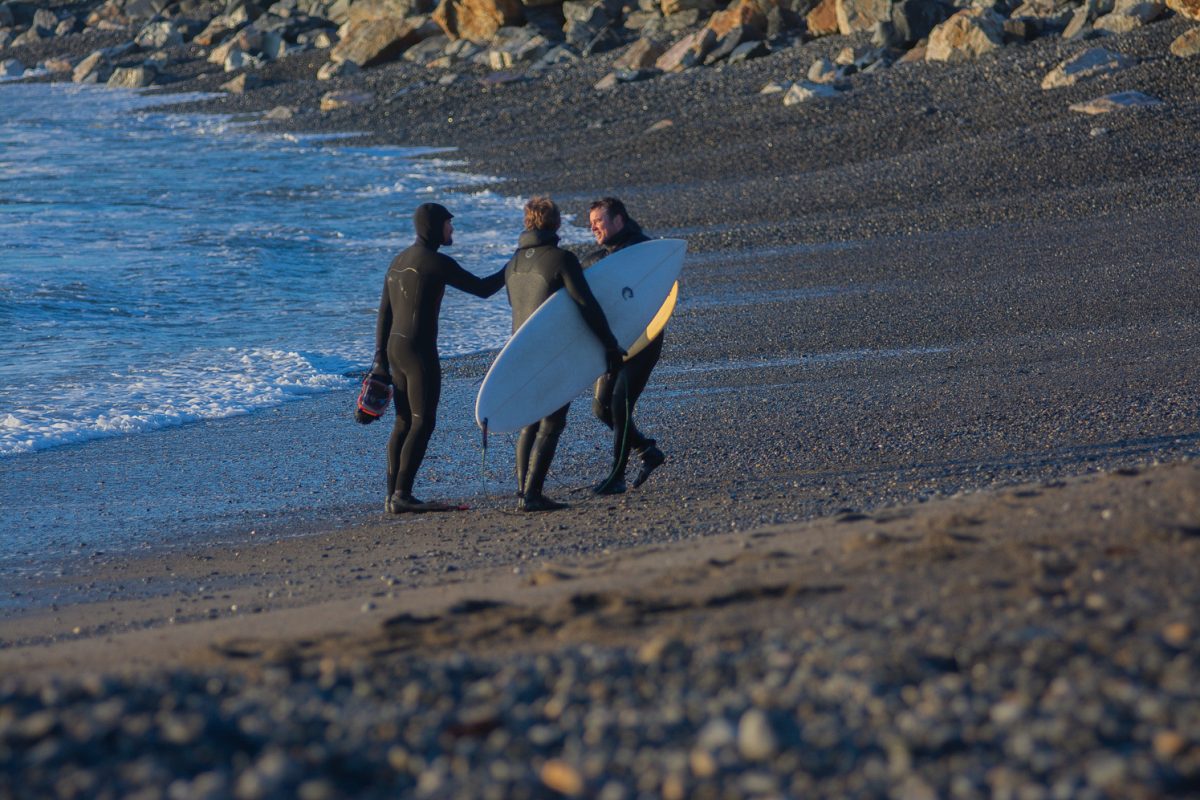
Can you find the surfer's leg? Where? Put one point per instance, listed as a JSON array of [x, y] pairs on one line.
[[541, 454], [524, 447], [637, 374], [424, 391], [622, 426], [399, 427], [639, 369], [602, 399]]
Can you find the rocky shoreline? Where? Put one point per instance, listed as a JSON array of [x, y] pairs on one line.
[[916, 311], [514, 41]]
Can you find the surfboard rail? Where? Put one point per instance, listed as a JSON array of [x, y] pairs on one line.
[[554, 356]]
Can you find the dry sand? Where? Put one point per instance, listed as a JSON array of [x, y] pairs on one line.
[[1126, 540]]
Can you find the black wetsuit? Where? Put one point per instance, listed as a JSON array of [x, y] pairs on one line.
[[406, 332], [537, 270], [617, 394]]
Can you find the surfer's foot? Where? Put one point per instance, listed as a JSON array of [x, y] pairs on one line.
[[611, 486], [652, 459], [407, 504], [538, 502]]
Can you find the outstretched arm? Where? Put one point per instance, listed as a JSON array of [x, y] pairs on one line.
[[464, 281]]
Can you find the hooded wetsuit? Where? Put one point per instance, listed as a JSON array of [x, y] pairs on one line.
[[537, 270], [617, 394], [406, 332]]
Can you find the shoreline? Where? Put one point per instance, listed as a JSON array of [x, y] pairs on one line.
[[927, 528], [925, 536]]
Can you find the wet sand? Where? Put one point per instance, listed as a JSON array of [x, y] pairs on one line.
[[929, 404]]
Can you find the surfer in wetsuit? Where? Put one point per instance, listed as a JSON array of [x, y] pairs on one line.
[[406, 332], [537, 270], [618, 392]]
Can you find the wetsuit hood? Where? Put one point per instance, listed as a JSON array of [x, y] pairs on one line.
[[536, 239], [429, 221], [630, 233]]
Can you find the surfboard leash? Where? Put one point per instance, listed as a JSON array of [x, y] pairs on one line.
[[483, 461], [623, 455]]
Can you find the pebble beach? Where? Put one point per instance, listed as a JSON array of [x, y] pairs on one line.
[[929, 522]]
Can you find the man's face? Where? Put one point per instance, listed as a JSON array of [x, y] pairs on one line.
[[448, 233], [605, 227]]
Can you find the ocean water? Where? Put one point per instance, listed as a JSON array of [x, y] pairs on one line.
[[160, 269]]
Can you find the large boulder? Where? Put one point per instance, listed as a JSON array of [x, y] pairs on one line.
[[967, 35], [803, 91], [371, 42], [731, 42], [913, 20], [362, 10], [1051, 16], [242, 83], [1185, 8], [477, 20], [591, 26], [95, 68], [861, 15], [559, 56], [45, 21], [237, 17], [548, 20], [247, 40], [58, 66], [1187, 44], [140, 10], [428, 49], [31, 36], [132, 77], [669, 7], [1091, 63], [641, 54], [1079, 26], [783, 22], [748, 14], [1128, 15], [11, 68], [513, 46], [274, 46], [105, 12], [318, 39], [240, 59], [687, 52], [675, 23], [336, 69], [217, 29], [822, 20], [823, 70], [158, 35]]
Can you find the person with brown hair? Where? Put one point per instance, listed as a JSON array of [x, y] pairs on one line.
[[537, 270]]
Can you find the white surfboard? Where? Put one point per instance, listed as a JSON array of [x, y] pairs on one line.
[[554, 356]]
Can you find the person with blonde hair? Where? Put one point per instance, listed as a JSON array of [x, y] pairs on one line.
[[537, 270]]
